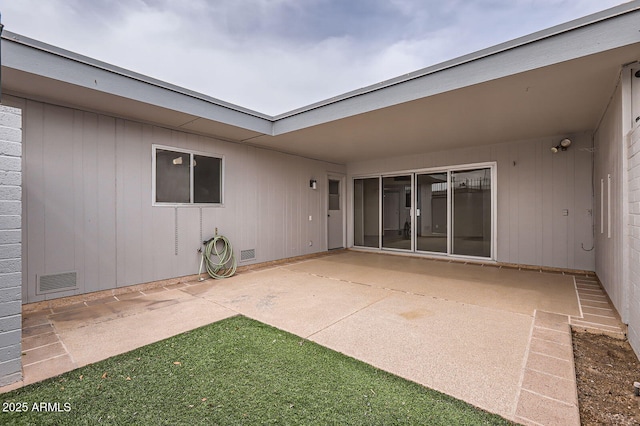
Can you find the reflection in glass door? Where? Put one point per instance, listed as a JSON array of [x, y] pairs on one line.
[[471, 212], [396, 212], [432, 212], [366, 212], [449, 211]]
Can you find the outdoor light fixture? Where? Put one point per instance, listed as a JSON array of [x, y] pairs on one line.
[[562, 146], [313, 184]]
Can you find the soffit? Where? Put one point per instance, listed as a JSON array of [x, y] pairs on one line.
[[564, 98]]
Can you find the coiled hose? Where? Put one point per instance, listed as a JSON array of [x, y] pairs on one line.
[[218, 257]]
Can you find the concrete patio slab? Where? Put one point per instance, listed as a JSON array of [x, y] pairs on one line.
[[122, 334], [495, 337], [302, 304], [511, 290], [470, 352]]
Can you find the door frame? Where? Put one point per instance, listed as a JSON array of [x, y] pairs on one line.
[[447, 251], [412, 220], [343, 206], [492, 165]]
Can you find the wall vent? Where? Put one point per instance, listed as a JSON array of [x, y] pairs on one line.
[[247, 255], [56, 282]]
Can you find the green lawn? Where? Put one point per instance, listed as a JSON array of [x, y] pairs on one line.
[[237, 371]]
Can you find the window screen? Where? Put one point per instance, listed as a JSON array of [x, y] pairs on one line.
[[187, 178], [172, 177], [207, 173]]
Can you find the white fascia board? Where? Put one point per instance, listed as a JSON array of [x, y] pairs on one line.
[[38, 58], [597, 33]]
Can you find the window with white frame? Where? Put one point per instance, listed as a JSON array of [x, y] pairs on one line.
[[186, 177]]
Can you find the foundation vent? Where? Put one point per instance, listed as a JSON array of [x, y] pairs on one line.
[[247, 255], [56, 282]]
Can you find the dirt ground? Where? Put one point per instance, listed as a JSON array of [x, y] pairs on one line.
[[606, 369]]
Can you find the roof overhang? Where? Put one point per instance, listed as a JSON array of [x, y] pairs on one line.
[[46, 73], [553, 82]]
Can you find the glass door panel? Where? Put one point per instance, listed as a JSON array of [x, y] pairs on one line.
[[366, 212], [432, 212], [471, 212], [396, 212]]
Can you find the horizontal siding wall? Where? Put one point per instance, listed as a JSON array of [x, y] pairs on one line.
[[88, 202], [534, 187]]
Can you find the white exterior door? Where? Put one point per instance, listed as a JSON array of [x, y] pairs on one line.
[[335, 221]]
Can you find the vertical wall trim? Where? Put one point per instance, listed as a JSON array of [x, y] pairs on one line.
[[494, 210], [449, 213], [175, 221], [602, 206], [608, 205], [412, 213], [380, 211], [626, 235], [200, 209], [623, 192]]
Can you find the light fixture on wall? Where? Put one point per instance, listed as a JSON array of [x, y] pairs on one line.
[[562, 146], [313, 184]]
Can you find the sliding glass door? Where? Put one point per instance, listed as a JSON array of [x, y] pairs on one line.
[[366, 212], [396, 212], [471, 212], [432, 212], [447, 212]]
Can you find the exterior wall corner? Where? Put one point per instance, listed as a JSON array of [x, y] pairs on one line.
[[10, 244], [633, 277]]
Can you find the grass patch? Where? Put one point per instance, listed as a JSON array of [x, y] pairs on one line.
[[236, 371]]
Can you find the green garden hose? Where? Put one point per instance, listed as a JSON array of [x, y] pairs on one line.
[[218, 257]]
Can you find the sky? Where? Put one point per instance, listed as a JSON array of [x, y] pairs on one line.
[[273, 56]]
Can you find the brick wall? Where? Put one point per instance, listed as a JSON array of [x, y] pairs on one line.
[[634, 239], [10, 244]]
